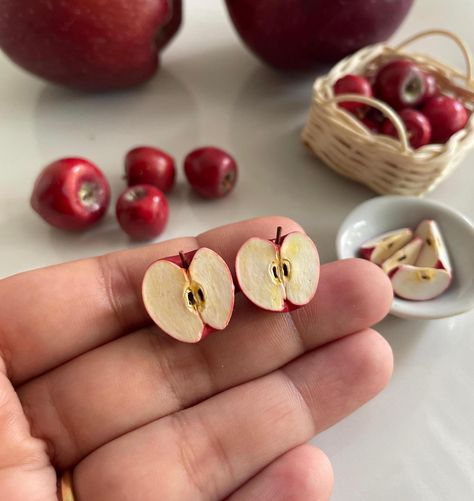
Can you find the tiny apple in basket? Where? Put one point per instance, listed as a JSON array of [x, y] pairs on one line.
[[400, 83], [145, 165], [417, 125], [71, 194], [212, 172], [142, 211], [353, 84], [446, 115], [279, 275], [380, 248], [189, 296]]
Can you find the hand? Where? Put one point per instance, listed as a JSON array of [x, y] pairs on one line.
[[87, 383]]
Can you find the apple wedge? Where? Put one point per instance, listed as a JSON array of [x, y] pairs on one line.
[[406, 255], [190, 295], [434, 253], [419, 284], [278, 275], [380, 248]]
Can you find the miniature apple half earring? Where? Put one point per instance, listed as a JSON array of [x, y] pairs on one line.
[[189, 296], [281, 274]]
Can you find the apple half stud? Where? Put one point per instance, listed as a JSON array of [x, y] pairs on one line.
[[380, 248], [406, 255], [189, 296], [278, 275], [419, 284], [433, 253]]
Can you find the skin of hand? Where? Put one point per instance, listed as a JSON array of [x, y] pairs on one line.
[[88, 383]]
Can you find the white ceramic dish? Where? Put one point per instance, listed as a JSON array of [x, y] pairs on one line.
[[386, 213]]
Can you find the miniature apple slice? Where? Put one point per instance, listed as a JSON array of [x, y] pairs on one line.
[[434, 253], [382, 247], [189, 296], [419, 284], [278, 275], [406, 255]]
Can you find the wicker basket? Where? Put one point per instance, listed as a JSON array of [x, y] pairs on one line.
[[385, 164]]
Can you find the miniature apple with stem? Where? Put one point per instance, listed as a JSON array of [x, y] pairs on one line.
[[434, 253], [446, 116], [353, 84], [380, 248], [71, 194], [419, 284], [278, 275], [190, 295]]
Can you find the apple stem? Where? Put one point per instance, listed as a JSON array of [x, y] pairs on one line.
[[278, 235], [184, 261]]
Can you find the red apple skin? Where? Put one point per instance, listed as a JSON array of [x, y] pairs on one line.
[[392, 80], [431, 87], [417, 125], [87, 44], [371, 124], [353, 84], [301, 34], [446, 116], [57, 192], [142, 212], [212, 172], [146, 165]]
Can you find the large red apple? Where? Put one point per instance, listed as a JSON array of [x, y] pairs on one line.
[[299, 34], [88, 44]]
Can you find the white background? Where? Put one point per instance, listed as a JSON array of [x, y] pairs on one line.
[[416, 440]]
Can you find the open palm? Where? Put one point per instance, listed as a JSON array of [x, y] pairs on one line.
[[87, 383]]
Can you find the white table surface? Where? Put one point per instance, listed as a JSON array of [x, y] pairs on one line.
[[413, 442]]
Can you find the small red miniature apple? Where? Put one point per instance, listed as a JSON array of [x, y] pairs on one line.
[[353, 84], [434, 253], [142, 211], [417, 125], [406, 255], [432, 88], [380, 248], [371, 124], [446, 116], [400, 83], [189, 296], [212, 172], [146, 165], [419, 284], [278, 275], [71, 194]]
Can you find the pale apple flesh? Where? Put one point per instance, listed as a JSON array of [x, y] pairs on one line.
[[278, 276], [419, 284], [188, 302], [434, 253], [380, 248], [406, 255]]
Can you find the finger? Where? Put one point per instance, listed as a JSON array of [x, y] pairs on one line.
[[52, 315], [302, 474], [25, 470], [75, 406], [209, 450]]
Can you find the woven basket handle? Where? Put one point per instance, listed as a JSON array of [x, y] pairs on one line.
[[464, 48], [384, 108]]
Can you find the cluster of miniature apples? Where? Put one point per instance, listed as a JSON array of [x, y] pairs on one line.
[[417, 262], [429, 116], [74, 194], [192, 295]]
